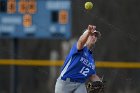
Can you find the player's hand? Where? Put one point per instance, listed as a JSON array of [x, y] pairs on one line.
[[91, 29], [95, 87]]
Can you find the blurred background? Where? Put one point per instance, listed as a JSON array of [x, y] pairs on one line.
[[36, 35]]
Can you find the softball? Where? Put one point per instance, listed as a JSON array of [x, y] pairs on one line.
[[88, 5]]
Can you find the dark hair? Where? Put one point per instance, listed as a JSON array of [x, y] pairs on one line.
[[97, 34]]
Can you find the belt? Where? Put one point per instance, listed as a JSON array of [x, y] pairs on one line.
[[71, 80]]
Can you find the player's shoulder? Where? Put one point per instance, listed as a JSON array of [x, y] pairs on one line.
[[74, 48]]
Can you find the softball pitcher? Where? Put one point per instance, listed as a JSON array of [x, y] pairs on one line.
[[79, 64]]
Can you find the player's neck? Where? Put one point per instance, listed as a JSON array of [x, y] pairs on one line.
[[89, 46]]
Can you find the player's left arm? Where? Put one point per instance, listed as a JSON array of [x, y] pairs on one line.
[[95, 77]]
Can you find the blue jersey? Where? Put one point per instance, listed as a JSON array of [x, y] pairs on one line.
[[78, 65]]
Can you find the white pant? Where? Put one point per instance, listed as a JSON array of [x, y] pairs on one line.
[[69, 87]]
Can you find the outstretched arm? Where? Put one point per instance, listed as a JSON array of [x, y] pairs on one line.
[[84, 37]]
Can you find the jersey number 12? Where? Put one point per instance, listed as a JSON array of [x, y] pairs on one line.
[[84, 71]]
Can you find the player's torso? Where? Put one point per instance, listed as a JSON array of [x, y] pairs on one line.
[[80, 66]]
